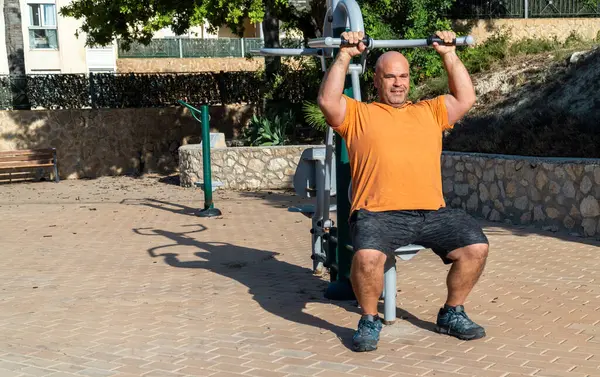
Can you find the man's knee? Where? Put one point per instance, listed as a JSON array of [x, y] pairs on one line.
[[475, 252], [369, 261]]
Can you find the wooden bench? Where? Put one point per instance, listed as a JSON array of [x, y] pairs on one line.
[[29, 159]]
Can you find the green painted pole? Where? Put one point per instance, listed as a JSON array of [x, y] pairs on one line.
[[340, 287], [342, 164], [209, 209], [208, 201]]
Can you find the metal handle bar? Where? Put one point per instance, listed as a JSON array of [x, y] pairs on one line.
[[288, 52], [329, 42]]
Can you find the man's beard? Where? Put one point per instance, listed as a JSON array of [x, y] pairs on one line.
[[397, 98]]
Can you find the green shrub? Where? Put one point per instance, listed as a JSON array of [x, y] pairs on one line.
[[481, 57], [407, 19], [431, 88], [530, 46], [271, 129], [574, 39], [425, 62], [314, 116]]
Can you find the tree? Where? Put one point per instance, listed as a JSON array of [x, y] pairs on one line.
[[408, 19], [15, 54], [136, 21]]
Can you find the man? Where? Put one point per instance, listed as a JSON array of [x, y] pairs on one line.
[[395, 151]]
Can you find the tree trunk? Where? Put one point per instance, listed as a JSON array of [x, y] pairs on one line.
[[15, 54], [310, 21], [271, 36]]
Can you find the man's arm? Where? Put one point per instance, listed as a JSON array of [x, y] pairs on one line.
[[462, 93], [330, 99]]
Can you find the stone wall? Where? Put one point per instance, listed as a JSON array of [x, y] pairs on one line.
[[553, 194], [92, 143], [520, 28], [556, 194], [242, 168], [154, 65]]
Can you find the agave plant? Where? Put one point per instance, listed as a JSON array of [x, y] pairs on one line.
[[314, 116], [268, 130]]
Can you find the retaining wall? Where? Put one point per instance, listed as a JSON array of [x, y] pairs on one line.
[[96, 142], [553, 194], [242, 168]]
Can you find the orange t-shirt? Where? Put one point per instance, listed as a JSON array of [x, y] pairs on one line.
[[395, 154]]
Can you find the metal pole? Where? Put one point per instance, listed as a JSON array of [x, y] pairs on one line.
[[388, 43], [209, 210], [208, 202], [288, 52], [340, 287], [355, 84], [346, 16], [526, 8]]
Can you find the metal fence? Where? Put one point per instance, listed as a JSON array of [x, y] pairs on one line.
[[487, 9], [198, 47], [524, 8], [562, 8]]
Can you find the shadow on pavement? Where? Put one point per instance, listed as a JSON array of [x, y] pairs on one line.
[[278, 198], [279, 287], [163, 205]]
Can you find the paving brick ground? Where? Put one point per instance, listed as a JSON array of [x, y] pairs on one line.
[[117, 277]]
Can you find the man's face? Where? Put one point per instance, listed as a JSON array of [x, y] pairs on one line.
[[392, 80]]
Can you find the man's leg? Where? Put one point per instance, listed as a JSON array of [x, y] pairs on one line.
[[459, 240], [467, 265], [373, 236], [366, 275]]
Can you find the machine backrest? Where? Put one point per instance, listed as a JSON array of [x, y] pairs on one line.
[[311, 164]]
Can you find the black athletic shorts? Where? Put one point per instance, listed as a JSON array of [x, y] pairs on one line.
[[442, 230]]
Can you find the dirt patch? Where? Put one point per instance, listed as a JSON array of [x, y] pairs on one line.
[[535, 106]]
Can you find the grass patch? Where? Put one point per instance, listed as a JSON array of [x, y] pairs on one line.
[[560, 50], [433, 87], [498, 50], [482, 57], [531, 46]]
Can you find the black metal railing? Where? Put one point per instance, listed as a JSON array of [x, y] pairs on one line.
[[524, 9]]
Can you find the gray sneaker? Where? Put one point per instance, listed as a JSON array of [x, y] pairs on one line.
[[455, 322], [366, 337]]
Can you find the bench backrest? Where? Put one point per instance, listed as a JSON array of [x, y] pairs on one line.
[[30, 156], [308, 178]]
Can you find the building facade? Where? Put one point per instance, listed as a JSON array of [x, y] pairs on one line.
[[51, 45]]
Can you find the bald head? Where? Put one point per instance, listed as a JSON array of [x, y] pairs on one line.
[[392, 78], [390, 58]]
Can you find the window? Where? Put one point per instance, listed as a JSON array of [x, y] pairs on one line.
[[42, 26], [101, 70], [45, 71]]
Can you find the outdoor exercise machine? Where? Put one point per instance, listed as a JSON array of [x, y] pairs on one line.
[[202, 116], [321, 171]]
